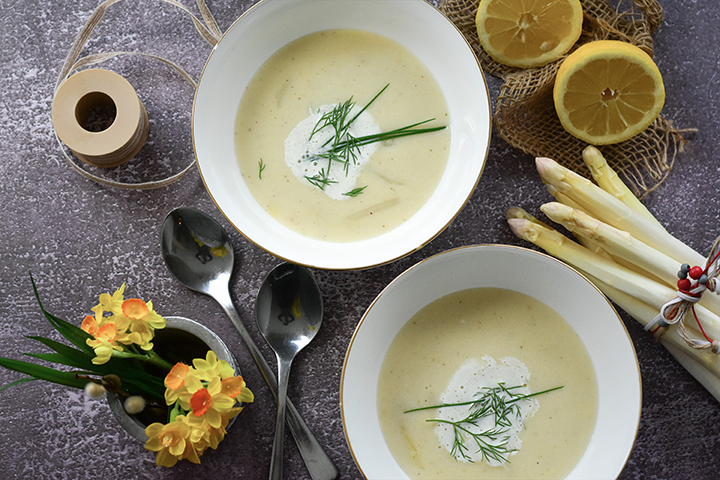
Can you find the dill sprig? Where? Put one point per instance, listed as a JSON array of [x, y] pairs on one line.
[[321, 179], [343, 147], [355, 191], [499, 402]]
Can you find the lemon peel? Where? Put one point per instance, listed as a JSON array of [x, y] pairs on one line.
[[528, 34], [608, 91]]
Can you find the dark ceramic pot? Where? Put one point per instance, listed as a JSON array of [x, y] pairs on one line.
[[182, 339]]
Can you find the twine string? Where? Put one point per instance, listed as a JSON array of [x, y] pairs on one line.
[[208, 30], [675, 312]]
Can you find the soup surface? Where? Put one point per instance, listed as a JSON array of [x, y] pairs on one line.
[[499, 323], [328, 68]]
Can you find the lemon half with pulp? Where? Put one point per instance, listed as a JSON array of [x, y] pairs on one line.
[[607, 92], [528, 33]]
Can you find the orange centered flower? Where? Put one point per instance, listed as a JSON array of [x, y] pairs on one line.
[[232, 386], [107, 332], [170, 439], [200, 402], [135, 308], [176, 377], [89, 325]]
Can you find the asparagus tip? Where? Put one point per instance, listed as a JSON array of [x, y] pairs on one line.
[[543, 162], [556, 210], [521, 227], [592, 151], [550, 171], [515, 212]]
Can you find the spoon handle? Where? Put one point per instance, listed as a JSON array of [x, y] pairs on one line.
[[276, 460], [317, 461]]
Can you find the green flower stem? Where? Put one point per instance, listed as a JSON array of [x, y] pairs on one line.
[[175, 411], [158, 361], [151, 358]]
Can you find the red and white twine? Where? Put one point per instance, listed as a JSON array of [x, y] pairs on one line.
[[692, 283]]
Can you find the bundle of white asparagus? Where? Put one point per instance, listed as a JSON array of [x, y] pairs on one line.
[[626, 253]]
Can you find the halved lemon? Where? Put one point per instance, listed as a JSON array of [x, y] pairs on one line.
[[528, 33], [608, 91]]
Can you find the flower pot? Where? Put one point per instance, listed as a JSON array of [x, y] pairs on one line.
[[183, 340]]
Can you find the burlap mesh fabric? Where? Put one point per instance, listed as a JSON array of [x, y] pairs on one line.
[[525, 113]]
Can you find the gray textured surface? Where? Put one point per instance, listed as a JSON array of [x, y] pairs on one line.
[[79, 239]]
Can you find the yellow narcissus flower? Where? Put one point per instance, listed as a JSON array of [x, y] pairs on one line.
[[110, 303], [176, 376], [183, 383], [234, 387], [202, 397], [141, 320], [89, 325], [171, 442], [211, 402], [191, 384], [104, 340], [210, 367], [175, 384], [133, 321], [203, 435], [186, 437]]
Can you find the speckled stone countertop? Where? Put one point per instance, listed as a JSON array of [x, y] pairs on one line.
[[79, 239]]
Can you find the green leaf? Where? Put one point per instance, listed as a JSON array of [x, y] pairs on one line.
[[44, 373], [52, 357], [72, 357], [73, 354], [134, 380], [149, 389], [147, 384], [17, 382], [72, 333]]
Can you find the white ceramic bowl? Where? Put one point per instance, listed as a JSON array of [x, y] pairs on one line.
[[270, 25], [536, 274]]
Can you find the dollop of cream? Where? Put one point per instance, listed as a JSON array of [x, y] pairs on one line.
[[472, 377], [301, 151]]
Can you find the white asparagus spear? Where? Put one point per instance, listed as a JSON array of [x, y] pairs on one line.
[[598, 203], [609, 181], [614, 241], [587, 242], [609, 272], [649, 312], [517, 212], [621, 244], [703, 366], [641, 311], [632, 287]]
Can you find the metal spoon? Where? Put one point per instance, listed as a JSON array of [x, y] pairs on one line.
[[288, 312], [198, 253]]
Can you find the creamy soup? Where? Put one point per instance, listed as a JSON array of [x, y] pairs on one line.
[[311, 76], [474, 325]]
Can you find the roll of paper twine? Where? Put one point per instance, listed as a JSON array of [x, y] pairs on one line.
[[99, 117], [210, 32]]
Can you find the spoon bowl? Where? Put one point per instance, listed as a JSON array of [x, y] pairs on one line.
[[288, 312], [289, 308], [196, 249]]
